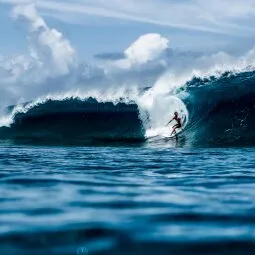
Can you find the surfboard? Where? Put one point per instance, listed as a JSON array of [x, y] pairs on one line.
[[165, 134], [169, 136]]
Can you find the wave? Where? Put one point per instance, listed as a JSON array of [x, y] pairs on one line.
[[216, 111], [75, 121], [222, 109]]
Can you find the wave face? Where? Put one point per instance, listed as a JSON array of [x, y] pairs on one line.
[[217, 111], [222, 110], [76, 121]]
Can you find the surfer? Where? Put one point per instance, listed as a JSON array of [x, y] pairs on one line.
[[176, 126]]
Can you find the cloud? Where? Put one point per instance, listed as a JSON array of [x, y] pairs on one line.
[[51, 67], [30, 15], [145, 51], [230, 17], [48, 45], [148, 47], [50, 60]]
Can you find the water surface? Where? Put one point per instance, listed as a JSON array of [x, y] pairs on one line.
[[126, 200]]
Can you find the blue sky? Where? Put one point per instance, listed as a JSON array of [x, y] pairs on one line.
[[102, 26], [65, 47]]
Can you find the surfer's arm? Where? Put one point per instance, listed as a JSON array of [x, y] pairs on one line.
[[169, 122]]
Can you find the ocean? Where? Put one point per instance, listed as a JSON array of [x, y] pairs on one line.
[[95, 175], [87, 161], [126, 199]]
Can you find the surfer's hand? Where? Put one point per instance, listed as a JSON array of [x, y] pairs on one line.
[[168, 123]]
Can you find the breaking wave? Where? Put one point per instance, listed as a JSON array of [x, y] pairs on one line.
[[222, 109], [216, 111]]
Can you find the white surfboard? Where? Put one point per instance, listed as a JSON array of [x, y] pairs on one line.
[[161, 133], [168, 135]]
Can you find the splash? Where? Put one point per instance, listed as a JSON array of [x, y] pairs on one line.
[[160, 109]]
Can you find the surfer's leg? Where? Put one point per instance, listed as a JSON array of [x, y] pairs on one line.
[[174, 129]]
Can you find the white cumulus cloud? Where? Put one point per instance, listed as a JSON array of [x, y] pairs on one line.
[[49, 46], [146, 48]]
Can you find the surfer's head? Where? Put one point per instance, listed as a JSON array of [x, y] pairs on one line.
[[176, 113]]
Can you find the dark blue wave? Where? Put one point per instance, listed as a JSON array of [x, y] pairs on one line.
[[75, 121], [222, 109]]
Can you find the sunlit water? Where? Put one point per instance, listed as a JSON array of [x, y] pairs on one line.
[[126, 200]]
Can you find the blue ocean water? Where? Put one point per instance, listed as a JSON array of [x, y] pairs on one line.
[[97, 175], [141, 199], [86, 162]]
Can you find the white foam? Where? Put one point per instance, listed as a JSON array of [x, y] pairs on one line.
[[161, 108]]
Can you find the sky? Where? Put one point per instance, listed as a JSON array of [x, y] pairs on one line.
[[66, 48], [100, 28]]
